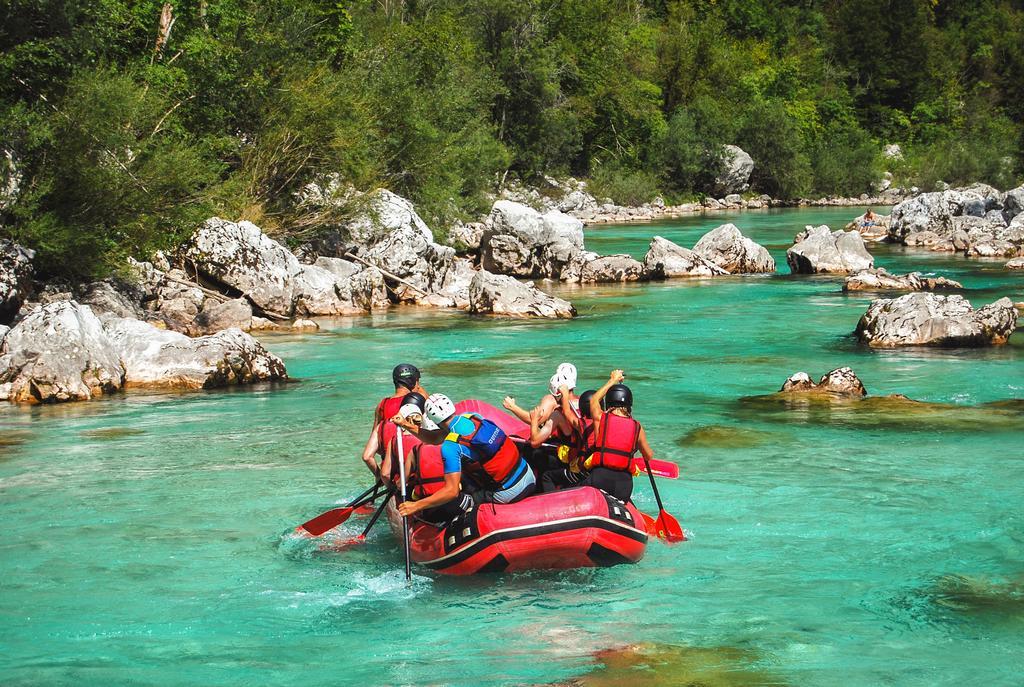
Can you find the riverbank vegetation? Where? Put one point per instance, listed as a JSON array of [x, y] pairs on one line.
[[124, 124]]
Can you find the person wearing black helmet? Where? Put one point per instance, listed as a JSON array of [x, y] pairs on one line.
[[615, 439], [406, 378]]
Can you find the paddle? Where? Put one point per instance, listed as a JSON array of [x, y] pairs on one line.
[[665, 526], [405, 520], [362, 537], [661, 468], [332, 518]]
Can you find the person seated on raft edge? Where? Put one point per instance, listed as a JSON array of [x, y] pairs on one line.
[[495, 472], [406, 378], [550, 420], [572, 453], [425, 474], [616, 437]]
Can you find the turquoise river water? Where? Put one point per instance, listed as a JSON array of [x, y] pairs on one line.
[[146, 538]]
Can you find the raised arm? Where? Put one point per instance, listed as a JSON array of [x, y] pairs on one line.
[[615, 377], [509, 404], [567, 410]]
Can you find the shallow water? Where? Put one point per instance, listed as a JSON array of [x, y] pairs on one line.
[[147, 536]]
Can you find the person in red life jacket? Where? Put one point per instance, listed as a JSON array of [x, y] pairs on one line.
[[425, 469], [413, 404], [406, 378], [494, 470], [573, 452], [616, 437]]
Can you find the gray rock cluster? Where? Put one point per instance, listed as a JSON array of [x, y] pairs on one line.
[[927, 319], [880, 279], [819, 250], [63, 352], [665, 260], [976, 220], [841, 381]]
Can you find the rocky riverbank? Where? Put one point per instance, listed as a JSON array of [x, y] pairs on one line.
[[227, 276]]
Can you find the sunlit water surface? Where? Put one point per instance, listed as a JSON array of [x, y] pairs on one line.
[[146, 537]]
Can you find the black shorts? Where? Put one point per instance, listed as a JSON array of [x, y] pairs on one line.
[[618, 483]]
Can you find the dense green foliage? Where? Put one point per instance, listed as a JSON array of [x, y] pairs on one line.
[[123, 140]]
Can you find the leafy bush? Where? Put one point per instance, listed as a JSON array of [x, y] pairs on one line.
[[624, 186]]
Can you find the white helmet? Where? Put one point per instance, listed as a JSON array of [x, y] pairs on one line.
[[439, 409], [560, 379], [568, 370]]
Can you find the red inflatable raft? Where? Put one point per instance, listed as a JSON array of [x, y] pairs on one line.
[[573, 528]]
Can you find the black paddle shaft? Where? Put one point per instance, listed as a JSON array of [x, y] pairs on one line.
[[654, 486], [376, 515]]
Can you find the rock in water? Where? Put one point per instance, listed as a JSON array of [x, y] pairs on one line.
[[821, 250], [157, 358], [496, 294], [881, 280], [611, 268], [60, 352], [244, 258], [1015, 264], [15, 278], [737, 168], [665, 259], [726, 247], [841, 381], [927, 319]]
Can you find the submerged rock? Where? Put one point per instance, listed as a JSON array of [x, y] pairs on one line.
[[665, 665], [821, 250], [60, 352], [1016, 264], [611, 268], [156, 358], [730, 250], [926, 319], [881, 280], [495, 294], [15, 278], [665, 259], [720, 436]]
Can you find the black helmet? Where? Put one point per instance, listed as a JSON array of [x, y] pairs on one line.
[[619, 396], [585, 403], [405, 375], [416, 399]]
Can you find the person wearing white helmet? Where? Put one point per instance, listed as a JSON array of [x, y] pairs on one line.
[[475, 445], [547, 420]]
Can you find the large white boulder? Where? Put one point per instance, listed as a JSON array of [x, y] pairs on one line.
[[821, 250], [59, 352], [158, 358], [384, 213], [15, 278], [665, 259], [409, 254], [737, 167], [730, 250], [241, 256], [520, 241], [496, 294], [927, 319]]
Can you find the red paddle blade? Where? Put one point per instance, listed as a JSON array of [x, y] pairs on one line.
[[668, 528], [650, 525], [660, 468], [366, 509], [324, 522]]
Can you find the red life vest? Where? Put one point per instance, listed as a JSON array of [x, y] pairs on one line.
[[504, 456], [386, 409], [613, 444], [426, 473]]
